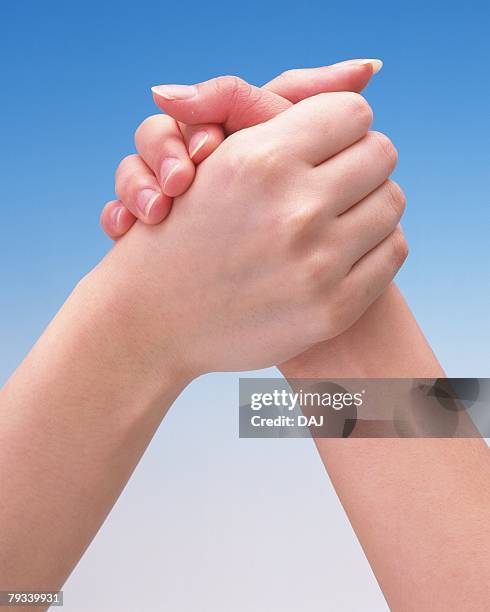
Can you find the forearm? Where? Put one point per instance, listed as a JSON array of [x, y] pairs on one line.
[[420, 507], [74, 421]]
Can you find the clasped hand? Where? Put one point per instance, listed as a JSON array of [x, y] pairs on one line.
[[284, 236]]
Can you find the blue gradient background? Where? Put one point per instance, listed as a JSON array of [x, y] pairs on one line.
[[247, 525]]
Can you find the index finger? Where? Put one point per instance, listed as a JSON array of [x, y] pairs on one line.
[[298, 84]]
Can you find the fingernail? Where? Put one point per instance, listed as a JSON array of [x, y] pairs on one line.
[[175, 92], [145, 201], [116, 216], [376, 64], [196, 142], [168, 167]]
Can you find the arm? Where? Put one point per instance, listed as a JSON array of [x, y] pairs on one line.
[[74, 421], [387, 342], [420, 507], [172, 302]]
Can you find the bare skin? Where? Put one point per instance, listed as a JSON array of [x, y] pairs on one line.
[[419, 507], [161, 309], [146, 186]]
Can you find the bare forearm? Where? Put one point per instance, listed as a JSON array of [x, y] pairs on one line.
[[74, 420], [420, 507]]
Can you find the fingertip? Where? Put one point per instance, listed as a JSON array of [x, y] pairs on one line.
[[116, 219], [365, 73], [159, 100], [350, 77], [203, 142], [197, 142], [361, 71], [174, 92], [212, 143], [125, 222], [376, 64], [178, 177], [157, 209], [165, 96]]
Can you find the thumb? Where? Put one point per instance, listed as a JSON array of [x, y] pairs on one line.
[[228, 100], [236, 104]]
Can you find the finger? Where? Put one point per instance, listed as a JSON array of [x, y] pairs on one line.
[[139, 190], [296, 85], [201, 140], [376, 63], [372, 220], [160, 143], [116, 219], [317, 128], [357, 171], [227, 100], [293, 85], [237, 104], [372, 274]]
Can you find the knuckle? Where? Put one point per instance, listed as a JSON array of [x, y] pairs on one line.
[[231, 85], [148, 123], [359, 107], [302, 218], [123, 174], [288, 74], [257, 162], [243, 101], [129, 183], [125, 162], [385, 148], [267, 160], [395, 198], [296, 226], [319, 270], [399, 246], [153, 126]]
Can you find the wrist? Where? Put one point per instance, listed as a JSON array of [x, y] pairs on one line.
[[385, 342], [143, 364]]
